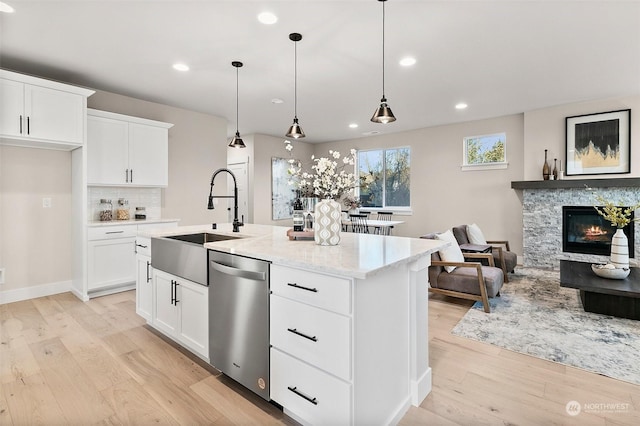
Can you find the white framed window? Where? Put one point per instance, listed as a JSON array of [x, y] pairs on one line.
[[384, 177], [485, 152]]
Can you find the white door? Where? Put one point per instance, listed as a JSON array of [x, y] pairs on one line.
[[148, 155], [111, 262], [165, 311], [107, 151], [194, 316], [240, 171], [144, 287], [54, 114], [12, 118]]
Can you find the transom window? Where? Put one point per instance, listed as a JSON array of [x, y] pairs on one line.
[[485, 152]]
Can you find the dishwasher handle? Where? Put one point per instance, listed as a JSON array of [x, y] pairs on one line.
[[230, 270]]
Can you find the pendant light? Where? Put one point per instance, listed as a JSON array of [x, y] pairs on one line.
[[237, 141], [383, 114], [295, 131]]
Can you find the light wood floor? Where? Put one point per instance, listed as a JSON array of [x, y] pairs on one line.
[[65, 362]]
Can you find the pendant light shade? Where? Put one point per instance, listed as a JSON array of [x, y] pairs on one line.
[[383, 113], [295, 131], [237, 141]]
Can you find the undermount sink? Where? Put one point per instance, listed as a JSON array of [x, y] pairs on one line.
[[202, 237], [184, 255]]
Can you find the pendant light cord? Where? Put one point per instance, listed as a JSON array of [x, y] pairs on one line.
[[237, 102], [295, 79], [383, 14]]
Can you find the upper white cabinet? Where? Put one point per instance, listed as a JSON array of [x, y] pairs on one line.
[[35, 112], [125, 150]]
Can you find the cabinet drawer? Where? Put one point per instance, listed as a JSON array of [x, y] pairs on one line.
[[324, 291], [109, 232], [313, 396], [316, 336], [143, 246]]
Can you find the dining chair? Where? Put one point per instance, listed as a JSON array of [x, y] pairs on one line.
[[383, 230], [359, 223]]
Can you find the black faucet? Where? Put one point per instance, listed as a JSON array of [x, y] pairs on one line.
[[236, 223]]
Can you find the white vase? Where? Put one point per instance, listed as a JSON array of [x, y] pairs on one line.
[[620, 249], [328, 223]]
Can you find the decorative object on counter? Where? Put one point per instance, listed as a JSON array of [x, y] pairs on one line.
[[122, 212], [383, 113], [555, 169], [298, 216], [328, 222], [352, 203], [546, 171], [106, 210], [300, 235], [141, 213], [561, 173], [610, 271], [237, 141], [619, 217]]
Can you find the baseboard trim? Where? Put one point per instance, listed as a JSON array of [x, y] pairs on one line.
[[421, 388], [33, 292]]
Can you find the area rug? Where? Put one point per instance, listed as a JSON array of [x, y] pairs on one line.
[[537, 317]]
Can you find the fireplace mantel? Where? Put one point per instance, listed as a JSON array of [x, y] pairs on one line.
[[576, 183]]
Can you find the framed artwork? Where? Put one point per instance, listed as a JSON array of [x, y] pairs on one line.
[[599, 143], [282, 194]]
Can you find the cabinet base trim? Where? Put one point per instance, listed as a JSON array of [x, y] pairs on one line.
[[111, 290], [421, 388], [27, 293]]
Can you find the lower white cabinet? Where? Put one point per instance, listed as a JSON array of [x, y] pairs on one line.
[[144, 280], [181, 311], [111, 257]]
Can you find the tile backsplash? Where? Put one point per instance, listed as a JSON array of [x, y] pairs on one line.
[[150, 198]]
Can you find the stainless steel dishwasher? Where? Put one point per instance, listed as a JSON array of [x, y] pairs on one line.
[[239, 319]]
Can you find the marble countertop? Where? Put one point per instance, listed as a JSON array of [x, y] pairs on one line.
[[95, 223], [357, 255]]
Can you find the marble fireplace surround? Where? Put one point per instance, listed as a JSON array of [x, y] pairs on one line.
[[542, 203]]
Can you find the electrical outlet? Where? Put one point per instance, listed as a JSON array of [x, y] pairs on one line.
[[46, 203], [1, 275]]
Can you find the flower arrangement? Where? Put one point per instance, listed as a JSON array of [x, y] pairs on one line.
[[618, 216], [329, 178], [351, 201]]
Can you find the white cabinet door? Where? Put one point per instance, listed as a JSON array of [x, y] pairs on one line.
[[144, 287], [148, 155], [165, 311], [12, 116], [107, 151], [111, 262], [54, 115], [193, 300]]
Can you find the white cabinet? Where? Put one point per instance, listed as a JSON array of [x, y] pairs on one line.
[[111, 257], [340, 346], [144, 282], [124, 150], [181, 311], [41, 113]]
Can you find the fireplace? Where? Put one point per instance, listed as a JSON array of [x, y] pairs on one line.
[[585, 231]]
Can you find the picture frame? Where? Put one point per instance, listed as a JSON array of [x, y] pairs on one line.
[[282, 194], [598, 143]]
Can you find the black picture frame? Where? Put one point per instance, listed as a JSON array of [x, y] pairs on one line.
[[598, 143]]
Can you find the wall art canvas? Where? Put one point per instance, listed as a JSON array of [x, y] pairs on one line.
[[599, 143], [282, 194]]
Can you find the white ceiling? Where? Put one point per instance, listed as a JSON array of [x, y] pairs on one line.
[[500, 57]]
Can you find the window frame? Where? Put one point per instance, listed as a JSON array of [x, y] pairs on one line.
[[396, 209], [494, 165]]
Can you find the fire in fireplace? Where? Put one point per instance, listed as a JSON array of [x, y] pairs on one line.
[[585, 231]]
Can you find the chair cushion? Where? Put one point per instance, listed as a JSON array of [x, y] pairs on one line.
[[475, 235], [465, 280], [451, 253], [460, 232]]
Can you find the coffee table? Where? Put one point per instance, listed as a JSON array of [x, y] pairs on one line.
[[619, 298]]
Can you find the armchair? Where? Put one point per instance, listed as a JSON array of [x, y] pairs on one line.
[[469, 280], [503, 257]]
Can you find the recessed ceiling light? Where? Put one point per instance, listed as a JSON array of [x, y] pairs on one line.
[[408, 61], [181, 67], [353, 126], [267, 18], [277, 101], [461, 105], [6, 8]]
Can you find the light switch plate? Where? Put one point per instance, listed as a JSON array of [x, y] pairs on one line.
[[46, 203]]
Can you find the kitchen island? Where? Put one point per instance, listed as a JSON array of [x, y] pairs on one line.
[[348, 323]]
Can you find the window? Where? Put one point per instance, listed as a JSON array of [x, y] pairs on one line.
[[384, 178], [485, 152]]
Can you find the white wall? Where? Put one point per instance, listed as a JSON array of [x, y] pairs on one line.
[[545, 129]]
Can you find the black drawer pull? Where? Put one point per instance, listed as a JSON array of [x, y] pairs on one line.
[[140, 245], [294, 331], [148, 276], [295, 390], [315, 290], [114, 232]]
